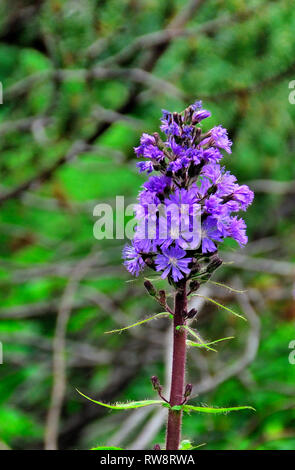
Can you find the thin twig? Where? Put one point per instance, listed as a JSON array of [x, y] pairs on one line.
[[59, 360]]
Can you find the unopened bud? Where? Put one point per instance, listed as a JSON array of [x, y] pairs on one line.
[[194, 285], [188, 112], [162, 297], [214, 264], [150, 263], [150, 288], [188, 390], [195, 267], [156, 383], [177, 118], [191, 313], [212, 189], [156, 136], [200, 115], [195, 170]]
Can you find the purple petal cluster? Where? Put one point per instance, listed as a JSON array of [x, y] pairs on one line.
[[173, 260], [186, 175]]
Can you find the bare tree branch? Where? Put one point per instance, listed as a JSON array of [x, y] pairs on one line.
[[59, 361], [272, 266]]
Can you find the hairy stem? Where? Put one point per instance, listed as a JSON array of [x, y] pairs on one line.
[[178, 371]]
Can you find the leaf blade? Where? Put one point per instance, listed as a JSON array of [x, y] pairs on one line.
[[225, 286], [212, 410], [192, 343], [119, 330], [123, 406], [221, 306], [106, 448], [195, 335]]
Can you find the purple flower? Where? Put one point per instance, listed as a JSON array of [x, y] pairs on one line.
[[175, 166], [243, 195], [172, 261], [145, 166], [223, 180], [200, 115], [133, 259], [211, 155], [237, 230], [146, 140], [210, 232], [169, 126], [183, 197], [157, 184], [148, 148], [220, 138], [212, 205], [196, 105]]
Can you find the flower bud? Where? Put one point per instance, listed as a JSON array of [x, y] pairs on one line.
[[191, 313], [194, 285], [195, 267], [177, 118], [156, 383], [162, 297], [156, 136], [214, 264], [150, 288], [150, 263], [200, 115], [188, 390]]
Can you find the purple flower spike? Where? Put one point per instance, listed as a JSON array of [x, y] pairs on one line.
[[191, 205]]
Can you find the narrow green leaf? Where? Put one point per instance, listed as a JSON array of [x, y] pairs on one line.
[[201, 343], [158, 315], [220, 284], [177, 407], [187, 445], [198, 345], [153, 279], [200, 445], [221, 306], [124, 406], [206, 409], [106, 448], [165, 404]]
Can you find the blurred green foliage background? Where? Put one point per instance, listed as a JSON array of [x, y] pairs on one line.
[[82, 79]]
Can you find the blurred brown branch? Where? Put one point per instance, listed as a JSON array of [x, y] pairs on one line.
[[146, 66], [59, 360]]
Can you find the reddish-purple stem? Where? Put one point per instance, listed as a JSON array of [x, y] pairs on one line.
[[178, 371]]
